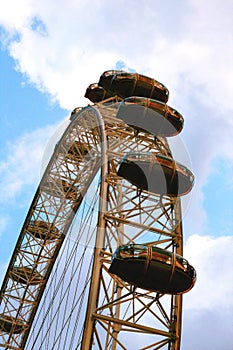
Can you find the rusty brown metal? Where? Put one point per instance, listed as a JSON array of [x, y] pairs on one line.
[[115, 309]]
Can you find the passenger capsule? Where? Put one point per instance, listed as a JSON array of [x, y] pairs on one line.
[[60, 188], [26, 275], [96, 93], [156, 173], [43, 230], [77, 151], [151, 116], [75, 111], [126, 84], [153, 268], [105, 80], [10, 324]]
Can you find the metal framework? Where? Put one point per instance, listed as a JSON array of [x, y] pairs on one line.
[[111, 313]]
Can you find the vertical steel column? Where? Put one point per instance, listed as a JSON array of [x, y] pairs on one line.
[[177, 314], [99, 243], [117, 327]]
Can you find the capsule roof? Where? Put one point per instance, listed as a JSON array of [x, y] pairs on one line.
[[96, 93], [126, 84]]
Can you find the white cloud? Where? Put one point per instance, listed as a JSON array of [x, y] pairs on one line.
[[212, 258], [21, 167], [208, 307], [207, 329], [15, 20], [182, 47], [87, 38]]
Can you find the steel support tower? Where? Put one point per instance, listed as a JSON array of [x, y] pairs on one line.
[[58, 292]]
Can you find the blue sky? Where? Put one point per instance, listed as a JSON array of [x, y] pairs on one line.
[[51, 51], [19, 118]]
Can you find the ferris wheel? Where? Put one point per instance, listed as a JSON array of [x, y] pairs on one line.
[[99, 261]]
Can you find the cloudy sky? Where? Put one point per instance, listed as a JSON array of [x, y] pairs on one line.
[[50, 51]]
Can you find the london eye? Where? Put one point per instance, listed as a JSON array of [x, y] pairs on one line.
[[99, 260]]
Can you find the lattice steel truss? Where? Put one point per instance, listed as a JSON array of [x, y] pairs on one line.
[[117, 314]]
